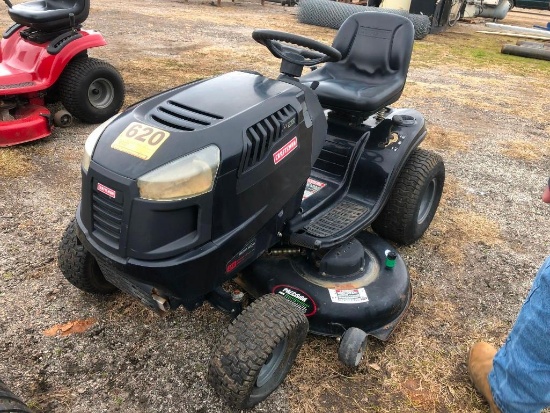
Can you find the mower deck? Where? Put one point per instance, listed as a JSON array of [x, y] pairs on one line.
[[30, 123], [374, 298]]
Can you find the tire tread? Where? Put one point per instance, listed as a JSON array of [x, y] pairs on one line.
[[246, 344], [9, 402], [397, 220], [70, 85], [73, 261]]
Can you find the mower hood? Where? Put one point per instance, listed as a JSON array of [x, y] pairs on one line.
[[183, 120]]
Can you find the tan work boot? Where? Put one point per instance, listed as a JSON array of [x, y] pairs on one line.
[[480, 363]]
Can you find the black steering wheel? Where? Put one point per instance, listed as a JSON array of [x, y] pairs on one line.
[[315, 53]]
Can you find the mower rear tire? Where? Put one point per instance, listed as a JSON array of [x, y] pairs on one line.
[[79, 267], [414, 199], [352, 346], [9, 402], [91, 89], [257, 351]]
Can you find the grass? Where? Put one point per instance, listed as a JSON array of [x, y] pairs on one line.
[[14, 163], [453, 229], [476, 51], [534, 149], [446, 139], [190, 66]]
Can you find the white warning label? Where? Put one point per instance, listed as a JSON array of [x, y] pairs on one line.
[[357, 295], [312, 186]]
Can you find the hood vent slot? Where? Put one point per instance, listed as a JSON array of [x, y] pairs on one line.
[[181, 117], [261, 137]]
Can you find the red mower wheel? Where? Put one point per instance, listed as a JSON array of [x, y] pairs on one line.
[[62, 119], [91, 89]]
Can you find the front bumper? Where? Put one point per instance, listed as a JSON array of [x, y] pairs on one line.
[[179, 279]]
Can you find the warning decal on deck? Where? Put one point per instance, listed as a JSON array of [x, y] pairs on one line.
[[312, 186], [355, 296]]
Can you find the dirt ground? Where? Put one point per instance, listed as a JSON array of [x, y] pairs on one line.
[[487, 116]]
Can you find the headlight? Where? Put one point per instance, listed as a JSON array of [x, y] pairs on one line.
[[91, 142], [185, 177]]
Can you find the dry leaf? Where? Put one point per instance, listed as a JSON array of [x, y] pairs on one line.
[[72, 327]]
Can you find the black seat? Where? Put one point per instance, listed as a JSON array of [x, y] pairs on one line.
[[376, 50], [49, 15]]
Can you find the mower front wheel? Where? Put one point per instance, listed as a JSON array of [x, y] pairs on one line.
[[352, 346], [257, 351], [414, 200], [91, 89], [79, 267]]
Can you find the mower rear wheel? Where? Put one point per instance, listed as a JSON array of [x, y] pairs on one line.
[[91, 89], [257, 351], [79, 267], [352, 346], [9, 402], [414, 200]]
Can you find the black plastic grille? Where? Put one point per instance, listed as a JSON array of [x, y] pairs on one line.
[[107, 218], [260, 138], [178, 116]]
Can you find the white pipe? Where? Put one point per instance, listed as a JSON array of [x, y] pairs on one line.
[[538, 32]]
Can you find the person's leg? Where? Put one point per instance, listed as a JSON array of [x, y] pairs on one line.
[[520, 378]]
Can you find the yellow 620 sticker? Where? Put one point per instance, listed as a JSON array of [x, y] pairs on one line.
[[140, 140]]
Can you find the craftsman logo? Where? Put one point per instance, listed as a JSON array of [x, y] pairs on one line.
[[285, 150], [107, 191], [297, 298]]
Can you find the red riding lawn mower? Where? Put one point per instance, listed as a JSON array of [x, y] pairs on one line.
[[43, 59]]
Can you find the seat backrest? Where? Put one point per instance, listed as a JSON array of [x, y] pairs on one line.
[[376, 44], [376, 50], [49, 15]]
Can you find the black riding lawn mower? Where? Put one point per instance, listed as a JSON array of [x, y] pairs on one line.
[[272, 184]]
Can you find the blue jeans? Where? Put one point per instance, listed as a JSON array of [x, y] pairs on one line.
[[520, 379]]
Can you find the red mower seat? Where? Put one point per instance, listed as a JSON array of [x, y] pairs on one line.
[[49, 15]]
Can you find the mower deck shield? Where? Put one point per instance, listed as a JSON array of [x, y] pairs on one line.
[[32, 122]]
